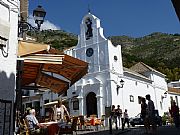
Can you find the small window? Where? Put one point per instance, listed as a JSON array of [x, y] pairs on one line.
[[46, 101], [28, 105], [76, 105], [131, 98], [115, 58], [136, 83]]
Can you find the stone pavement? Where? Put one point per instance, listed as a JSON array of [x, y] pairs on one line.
[[163, 130], [102, 132]]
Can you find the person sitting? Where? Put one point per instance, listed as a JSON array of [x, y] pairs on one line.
[[34, 126]]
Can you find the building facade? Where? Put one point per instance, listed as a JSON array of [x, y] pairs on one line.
[[174, 92], [101, 87], [8, 48]]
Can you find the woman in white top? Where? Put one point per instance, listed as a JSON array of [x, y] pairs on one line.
[[60, 110]]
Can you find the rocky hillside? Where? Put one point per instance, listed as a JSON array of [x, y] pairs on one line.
[[161, 51], [158, 50], [56, 38]]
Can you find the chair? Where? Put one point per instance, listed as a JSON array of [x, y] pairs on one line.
[[26, 126], [22, 130], [69, 129], [88, 123], [102, 121], [67, 118], [81, 121], [92, 121]]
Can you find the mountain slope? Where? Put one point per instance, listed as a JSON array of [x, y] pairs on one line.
[[158, 50], [161, 51]]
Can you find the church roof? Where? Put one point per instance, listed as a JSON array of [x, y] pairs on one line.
[[90, 15], [135, 73], [174, 90], [141, 68]]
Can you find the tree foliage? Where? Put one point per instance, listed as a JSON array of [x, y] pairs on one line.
[[161, 51]]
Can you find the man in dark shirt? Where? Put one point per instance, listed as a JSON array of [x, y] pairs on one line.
[[151, 113]]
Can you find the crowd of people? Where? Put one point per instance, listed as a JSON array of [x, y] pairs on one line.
[[57, 113], [118, 117], [174, 112], [148, 114]]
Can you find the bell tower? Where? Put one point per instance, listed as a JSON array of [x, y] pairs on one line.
[[94, 48]]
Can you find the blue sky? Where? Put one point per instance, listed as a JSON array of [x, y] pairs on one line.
[[135, 18]]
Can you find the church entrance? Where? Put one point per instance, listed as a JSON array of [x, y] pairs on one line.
[[91, 104]]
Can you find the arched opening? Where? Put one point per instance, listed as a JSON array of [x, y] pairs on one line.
[[91, 104]]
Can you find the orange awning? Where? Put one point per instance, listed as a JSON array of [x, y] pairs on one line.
[[71, 68], [26, 48], [40, 69]]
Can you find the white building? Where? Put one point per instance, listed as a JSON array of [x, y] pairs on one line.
[[174, 92], [8, 45], [101, 87], [174, 84]]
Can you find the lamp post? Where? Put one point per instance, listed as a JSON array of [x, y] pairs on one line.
[[39, 14], [117, 88], [23, 26], [164, 96], [120, 86]]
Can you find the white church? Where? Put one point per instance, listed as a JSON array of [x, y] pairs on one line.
[[108, 82]]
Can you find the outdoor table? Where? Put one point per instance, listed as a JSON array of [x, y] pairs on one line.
[[52, 127]]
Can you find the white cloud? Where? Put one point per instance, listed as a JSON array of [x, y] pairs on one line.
[[45, 26], [48, 25]]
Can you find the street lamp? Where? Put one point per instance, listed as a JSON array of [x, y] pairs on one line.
[[120, 86], [164, 96], [39, 14]]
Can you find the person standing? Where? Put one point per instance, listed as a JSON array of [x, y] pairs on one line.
[[60, 111], [126, 119], [144, 114], [151, 114], [119, 115], [114, 116], [175, 113]]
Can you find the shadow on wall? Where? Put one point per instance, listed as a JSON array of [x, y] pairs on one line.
[[7, 86]]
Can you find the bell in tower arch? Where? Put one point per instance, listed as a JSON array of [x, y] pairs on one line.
[[89, 29]]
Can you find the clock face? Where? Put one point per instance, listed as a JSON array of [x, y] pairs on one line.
[[89, 52]]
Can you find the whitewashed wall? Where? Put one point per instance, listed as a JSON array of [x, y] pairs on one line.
[[8, 17], [109, 72]]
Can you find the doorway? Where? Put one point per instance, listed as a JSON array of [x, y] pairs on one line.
[[91, 104]]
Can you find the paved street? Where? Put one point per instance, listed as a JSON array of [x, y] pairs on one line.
[[164, 130]]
